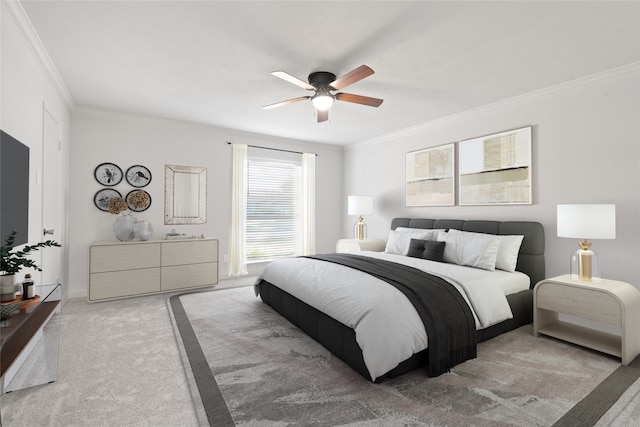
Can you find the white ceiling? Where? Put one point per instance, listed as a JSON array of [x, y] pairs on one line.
[[209, 62]]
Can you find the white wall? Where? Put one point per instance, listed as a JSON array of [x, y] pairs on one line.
[[98, 136], [586, 149], [26, 89]]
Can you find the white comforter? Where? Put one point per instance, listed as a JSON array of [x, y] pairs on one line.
[[388, 328]]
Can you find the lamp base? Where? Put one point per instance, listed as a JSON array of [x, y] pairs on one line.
[[585, 264], [360, 229]]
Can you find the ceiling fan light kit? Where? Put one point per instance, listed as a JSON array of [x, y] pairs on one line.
[[323, 83], [322, 100]]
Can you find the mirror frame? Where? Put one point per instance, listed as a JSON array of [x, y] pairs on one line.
[[199, 194]]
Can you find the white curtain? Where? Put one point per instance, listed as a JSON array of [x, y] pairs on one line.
[[308, 204], [238, 221]]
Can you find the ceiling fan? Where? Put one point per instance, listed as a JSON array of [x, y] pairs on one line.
[[323, 83]]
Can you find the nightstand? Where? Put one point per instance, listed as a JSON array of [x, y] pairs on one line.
[[356, 245], [609, 302]]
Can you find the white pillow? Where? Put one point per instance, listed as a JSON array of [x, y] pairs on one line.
[[471, 249], [507, 253], [431, 232], [399, 240]]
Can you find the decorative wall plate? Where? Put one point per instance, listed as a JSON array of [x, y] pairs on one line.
[[101, 198], [108, 174], [138, 202], [138, 176]]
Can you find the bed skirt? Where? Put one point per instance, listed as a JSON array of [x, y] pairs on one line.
[[340, 340]]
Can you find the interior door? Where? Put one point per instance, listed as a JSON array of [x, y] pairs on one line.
[[51, 158]]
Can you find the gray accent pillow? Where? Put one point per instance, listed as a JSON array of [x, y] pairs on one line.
[[426, 249]]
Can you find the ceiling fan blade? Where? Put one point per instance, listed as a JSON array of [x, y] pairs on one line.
[[351, 77], [359, 99], [291, 79], [323, 116], [287, 102]]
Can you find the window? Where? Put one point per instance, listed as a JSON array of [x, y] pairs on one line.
[[273, 209]]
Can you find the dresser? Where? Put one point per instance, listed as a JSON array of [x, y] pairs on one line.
[[125, 269]]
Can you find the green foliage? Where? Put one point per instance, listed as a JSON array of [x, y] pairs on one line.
[[12, 262]]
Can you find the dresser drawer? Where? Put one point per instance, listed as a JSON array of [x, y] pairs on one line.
[[116, 284], [188, 276], [189, 252], [123, 257]]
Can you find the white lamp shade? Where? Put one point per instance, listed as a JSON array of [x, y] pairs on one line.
[[360, 205], [587, 221]]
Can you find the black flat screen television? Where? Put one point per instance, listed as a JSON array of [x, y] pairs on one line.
[[14, 189]]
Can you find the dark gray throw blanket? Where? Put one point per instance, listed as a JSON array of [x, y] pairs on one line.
[[447, 318]]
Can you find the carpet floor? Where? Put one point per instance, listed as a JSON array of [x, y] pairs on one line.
[[256, 369]]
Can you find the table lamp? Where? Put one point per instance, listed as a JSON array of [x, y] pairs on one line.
[[360, 205], [586, 221]]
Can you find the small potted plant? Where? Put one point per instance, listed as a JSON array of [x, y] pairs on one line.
[[12, 261]]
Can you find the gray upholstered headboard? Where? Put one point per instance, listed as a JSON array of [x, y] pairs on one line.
[[531, 256]]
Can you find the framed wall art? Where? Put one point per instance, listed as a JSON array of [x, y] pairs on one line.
[[108, 174], [430, 176], [495, 169]]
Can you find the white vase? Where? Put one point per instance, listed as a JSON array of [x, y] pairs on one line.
[[8, 287], [123, 227], [143, 230]]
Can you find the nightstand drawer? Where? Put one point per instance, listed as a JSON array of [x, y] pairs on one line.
[[586, 303], [357, 245]]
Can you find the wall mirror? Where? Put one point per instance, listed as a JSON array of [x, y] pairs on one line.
[[185, 195]]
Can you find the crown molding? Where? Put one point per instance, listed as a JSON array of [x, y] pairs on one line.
[[231, 134], [104, 113], [17, 15], [614, 73]]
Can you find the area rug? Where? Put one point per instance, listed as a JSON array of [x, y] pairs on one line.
[[253, 368]]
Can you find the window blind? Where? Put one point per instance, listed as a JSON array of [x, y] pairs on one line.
[[273, 209]]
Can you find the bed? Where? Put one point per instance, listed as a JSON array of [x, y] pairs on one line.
[[298, 294]]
